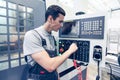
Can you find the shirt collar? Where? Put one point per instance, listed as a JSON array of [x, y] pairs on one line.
[[44, 31]]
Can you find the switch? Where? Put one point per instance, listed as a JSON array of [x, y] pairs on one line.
[[61, 50]]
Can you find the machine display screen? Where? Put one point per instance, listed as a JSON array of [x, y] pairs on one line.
[[69, 29]]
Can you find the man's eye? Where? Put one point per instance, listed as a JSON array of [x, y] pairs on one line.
[[60, 21]]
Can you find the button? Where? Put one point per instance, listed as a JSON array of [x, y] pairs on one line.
[[61, 50], [42, 72]]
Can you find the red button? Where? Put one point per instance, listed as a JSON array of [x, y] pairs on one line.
[[61, 50], [42, 72]]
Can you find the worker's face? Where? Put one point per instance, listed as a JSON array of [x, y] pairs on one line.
[[57, 23]]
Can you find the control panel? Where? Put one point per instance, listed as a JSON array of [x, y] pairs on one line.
[[88, 28], [82, 54], [92, 28]]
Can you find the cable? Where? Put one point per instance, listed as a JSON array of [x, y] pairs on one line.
[[112, 77], [119, 59], [109, 67], [78, 67], [98, 76]]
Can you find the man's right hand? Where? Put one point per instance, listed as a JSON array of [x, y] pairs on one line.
[[73, 47]]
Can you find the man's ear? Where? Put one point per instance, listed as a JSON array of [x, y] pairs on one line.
[[50, 19]]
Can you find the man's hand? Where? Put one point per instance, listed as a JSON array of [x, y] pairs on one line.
[[73, 47]]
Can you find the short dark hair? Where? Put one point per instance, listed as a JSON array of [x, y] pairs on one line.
[[54, 11]]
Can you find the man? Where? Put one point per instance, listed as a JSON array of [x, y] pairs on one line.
[[39, 47]]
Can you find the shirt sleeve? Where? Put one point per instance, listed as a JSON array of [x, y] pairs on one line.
[[32, 43]]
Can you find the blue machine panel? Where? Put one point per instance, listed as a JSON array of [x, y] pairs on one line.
[[82, 54], [92, 28]]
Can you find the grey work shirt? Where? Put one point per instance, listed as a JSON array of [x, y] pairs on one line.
[[33, 42]]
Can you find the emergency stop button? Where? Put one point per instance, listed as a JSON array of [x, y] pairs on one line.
[[61, 50]]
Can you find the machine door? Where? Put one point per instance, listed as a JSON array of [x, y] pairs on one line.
[[17, 17]]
